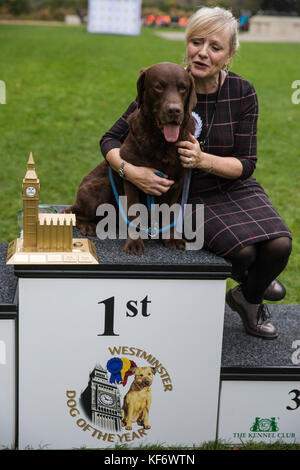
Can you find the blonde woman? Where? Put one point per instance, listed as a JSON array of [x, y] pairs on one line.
[[240, 222]]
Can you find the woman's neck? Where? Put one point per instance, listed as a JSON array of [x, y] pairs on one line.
[[209, 84]]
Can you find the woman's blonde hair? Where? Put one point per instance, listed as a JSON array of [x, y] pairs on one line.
[[207, 21]]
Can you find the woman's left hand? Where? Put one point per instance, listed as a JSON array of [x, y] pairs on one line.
[[190, 153]]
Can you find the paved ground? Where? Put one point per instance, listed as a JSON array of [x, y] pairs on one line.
[[179, 36], [33, 22], [174, 35]]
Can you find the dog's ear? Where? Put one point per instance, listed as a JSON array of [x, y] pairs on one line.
[[192, 97], [140, 87]]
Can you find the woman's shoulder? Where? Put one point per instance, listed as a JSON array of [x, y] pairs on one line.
[[239, 86]]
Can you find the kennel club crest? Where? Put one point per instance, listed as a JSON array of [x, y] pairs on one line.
[[115, 406]]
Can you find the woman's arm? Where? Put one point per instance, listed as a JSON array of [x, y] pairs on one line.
[[142, 177], [225, 167], [115, 136]]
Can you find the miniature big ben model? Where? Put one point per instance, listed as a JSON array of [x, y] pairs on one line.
[[30, 193], [47, 238]]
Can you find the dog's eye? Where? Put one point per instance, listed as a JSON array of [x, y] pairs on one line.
[[182, 88], [158, 87]]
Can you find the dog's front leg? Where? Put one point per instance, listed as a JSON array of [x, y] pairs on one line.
[[132, 246], [172, 197], [129, 419], [145, 417]]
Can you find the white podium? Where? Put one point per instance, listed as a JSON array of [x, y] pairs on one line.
[[87, 334], [71, 338], [8, 353], [262, 407], [260, 381]]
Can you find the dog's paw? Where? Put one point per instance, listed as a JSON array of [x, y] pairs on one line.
[[134, 247], [88, 229], [128, 427], [146, 426], [175, 244], [68, 210]]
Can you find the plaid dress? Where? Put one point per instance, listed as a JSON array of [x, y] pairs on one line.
[[237, 212]]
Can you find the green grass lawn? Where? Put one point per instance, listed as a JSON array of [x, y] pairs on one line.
[[66, 87], [212, 445]]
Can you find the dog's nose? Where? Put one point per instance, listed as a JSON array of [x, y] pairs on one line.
[[174, 109]]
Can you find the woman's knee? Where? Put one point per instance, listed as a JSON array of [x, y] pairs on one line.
[[241, 262], [245, 256], [278, 248]]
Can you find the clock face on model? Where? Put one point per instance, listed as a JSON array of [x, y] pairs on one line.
[[30, 191], [106, 399]]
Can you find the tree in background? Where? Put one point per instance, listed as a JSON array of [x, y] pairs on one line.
[[16, 7], [27, 7], [19, 7]]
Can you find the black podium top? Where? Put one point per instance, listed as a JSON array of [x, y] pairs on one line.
[[157, 262], [246, 357], [8, 286]]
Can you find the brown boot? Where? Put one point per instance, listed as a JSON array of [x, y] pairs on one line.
[[275, 291], [255, 317]]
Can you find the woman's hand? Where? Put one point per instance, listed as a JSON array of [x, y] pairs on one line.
[[190, 153], [191, 156], [146, 179], [142, 177]]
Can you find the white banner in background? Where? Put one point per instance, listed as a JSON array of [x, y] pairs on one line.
[[114, 16]]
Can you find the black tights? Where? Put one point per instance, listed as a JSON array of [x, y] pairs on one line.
[[256, 266]]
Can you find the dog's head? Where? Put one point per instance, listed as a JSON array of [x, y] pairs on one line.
[[143, 376], [166, 93]]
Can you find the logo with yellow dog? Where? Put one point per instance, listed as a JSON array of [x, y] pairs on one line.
[[115, 406]]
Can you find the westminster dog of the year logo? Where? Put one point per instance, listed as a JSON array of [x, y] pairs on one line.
[[115, 404]]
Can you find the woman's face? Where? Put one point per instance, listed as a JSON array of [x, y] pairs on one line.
[[207, 56]]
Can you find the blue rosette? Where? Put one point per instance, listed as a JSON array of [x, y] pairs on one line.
[[114, 366]]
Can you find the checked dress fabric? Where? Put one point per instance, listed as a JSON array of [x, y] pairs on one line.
[[237, 212]]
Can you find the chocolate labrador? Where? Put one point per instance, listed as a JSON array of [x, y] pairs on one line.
[[165, 100]]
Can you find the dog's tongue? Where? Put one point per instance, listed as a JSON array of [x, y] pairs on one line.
[[171, 132]]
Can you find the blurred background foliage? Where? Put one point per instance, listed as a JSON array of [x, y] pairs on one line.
[[55, 10]]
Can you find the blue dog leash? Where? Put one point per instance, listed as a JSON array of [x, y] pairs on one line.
[[150, 205], [187, 177]]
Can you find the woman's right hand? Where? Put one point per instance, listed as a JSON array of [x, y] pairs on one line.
[[146, 179], [142, 177]]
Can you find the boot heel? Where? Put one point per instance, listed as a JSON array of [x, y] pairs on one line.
[[230, 301]]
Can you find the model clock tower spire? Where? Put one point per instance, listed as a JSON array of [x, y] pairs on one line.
[[30, 192]]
